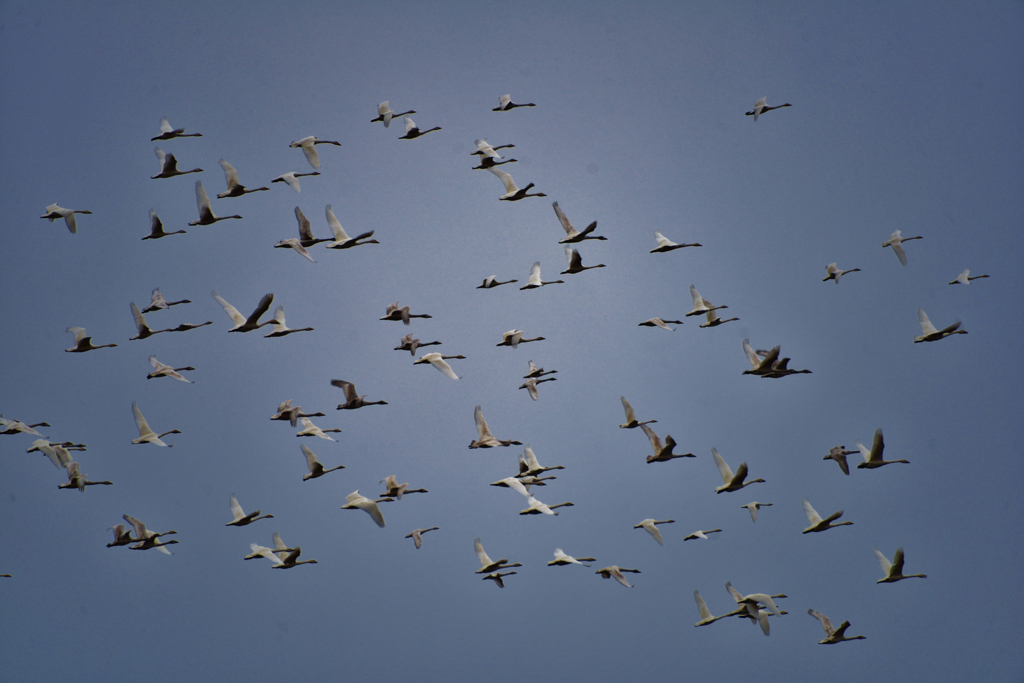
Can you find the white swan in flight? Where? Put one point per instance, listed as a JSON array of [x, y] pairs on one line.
[[385, 114], [730, 481], [82, 342], [281, 329], [832, 635], [206, 215], [535, 281], [505, 103], [834, 273], [438, 361], [156, 228], [239, 518], [631, 420], [486, 563], [412, 131], [514, 338], [417, 535], [965, 278], [930, 334], [243, 324], [147, 435], [169, 165], [487, 439], [666, 245], [649, 525], [341, 238], [235, 188], [615, 572], [53, 212], [314, 466], [662, 452], [817, 523], [162, 370], [894, 570], [873, 458], [357, 501], [561, 559], [168, 132], [753, 507], [292, 179], [896, 241], [761, 106], [512, 191], [308, 145], [571, 234]]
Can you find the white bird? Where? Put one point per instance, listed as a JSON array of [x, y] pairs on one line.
[[412, 131], [71, 446], [167, 132], [286, 411], [77, 480], [658, 322], [649, 525], [161, 370], [535, 280], [57, 453], [438, 361], [242, 519], [144, 331], [82, 342], [417, 535], [537, 372], [357, 501], [753, 508], [701, 534], [385, 114], [930, 334], [169, 165], [873, 458], [292, 179], [294, 243], [561, 559], [158, 302], [315, 468], [531, 385], [206, 215], [486, 563], [705, 614], [761, 106], [535, 507], [514, 484], [341, 238], [662, 452], [292, 560], [834, 273], [278, 552], [308, 145], [395, 313], [352, 398], [754, 600], [615, 572], [530, 466], [839, 453], [497, 576], [730, 481], [700, 306], [712, 318], [396, 490], [235, 188], [833, 635], [576, 262], [514, 338], [251, 323], [410, 344], [122, 536], [965, 279], [147, 435], [484, 148], [487, 439], [512, 191], [310, 429], [666, 245], [18, 427], [306, 238], [148, 539], [280, 328], [631, 420], [53, 212], [491, 281], [817, 523], [896, 242], [505, 103], [489, 156], [759, 365], [156, 228], [571, 234], [894, 570]]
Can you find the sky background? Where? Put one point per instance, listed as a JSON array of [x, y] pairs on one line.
[[904, 117]]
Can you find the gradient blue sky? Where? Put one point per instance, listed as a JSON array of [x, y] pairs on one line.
[[904, 117]]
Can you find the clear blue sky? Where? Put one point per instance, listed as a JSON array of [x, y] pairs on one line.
[[904, 117]]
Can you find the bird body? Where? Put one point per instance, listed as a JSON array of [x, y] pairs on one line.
[[712, 318], [438, 361], [873, 458], [310, 429], [308, 145], [930, 334], [235, 188], [395, 313], [410, 344], [491, 281], [701, 534], [147, 435], [896, 241], [834, 273], [561, 559], [535, 280], [357, 501], [658, 322], [314, 466], [82, 342], [512, 191], [281, 329], [839, 453], [666, 245], [53, 212], [700, 306], [487, 439], [730, 481], [537, 372], [158, 302], [761, 106], [486, 563], [650, 526]]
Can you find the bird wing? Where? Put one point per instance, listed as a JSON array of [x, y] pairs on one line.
[[630, 415], [481, 424], [662, 240], [305, 231], [481, 555], [897, 561], [311, 461], [531, 387], [230, 174], [347, 387], [926, 325], [140, 528], [812, 516], [161, 157], [140, 320], [311, 156], [441, 365], [531, 457], [655, 532], [535, 274], [733, 592], [410, 125], [698, 302], [754, 359], [517, 486], [826, 623], [569, 230], [278, 543], [202, 201], [653, 438], [140, 422], [504, 101], [510, 185], [262, 308], [574, 258], [236, 509], [232, 312], [702, 606], [900, 254], [877, 446], [335, 225], [371, 507], [723, 468], [165, 126], [265, 552]]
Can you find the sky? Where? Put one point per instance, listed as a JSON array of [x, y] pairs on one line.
[[903, 118]]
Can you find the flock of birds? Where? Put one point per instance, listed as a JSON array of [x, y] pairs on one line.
[[755, 607]]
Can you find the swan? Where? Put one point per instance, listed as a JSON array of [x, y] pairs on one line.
[[310, 429], [753, 601], [147, 435], [930, 334], [486, 563], [531, 385], [396, 490], [242, 519], [702, 534], [833, 635], [412, 132], [780, 368], [294, 243], [489, 157], [291, 560], [38, 443], [161, 370], [315, 468], [505, 103], [148, 539], [235, 188], [535, 507], [662, 452], [279, 551], [352, 399], [817, 523], [280, 328], [206, 216], [185, 327], [761, 106], [535, 280], [561, 559], [438, 361], [395, 313], [530, 466], [576, 262], [515, 484], [571, 234], [873, 458], [759, 365], [121, 537], [700, 306], [705, 614], [167, 132], [57, 453], [484, 148], [252, 322], [77, 480], [731, 482], [658, 322], [964, 279], [18, 427], [666, 245], [144, 331], [308, 145], [615, 572], [169, 165], [53, 212], [631, 420], [894, 570], [156, 228], [409, 344], [537, 372], [754, 507], [357, 501], [896, 242], [496, 576], [649, 525], [292, 179], [834, 273], [514, 338], [385, 114], [341, 238], [512, 191], [82, 342], [713, 319], [158, 302], [417, 535], [839, 453], [492, 281], [487, 439], [306, 238], [285, 411]]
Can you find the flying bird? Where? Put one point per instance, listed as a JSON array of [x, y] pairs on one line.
[[486, 563], [168, 132], [531, 385], [964, 278], [239, 516], [834, 273], [514, 338], [158, 302], [535, 280], [144, 331], [417, 535], [280, 328], [650, 526], [896, 241], [487, 439], [817, 523], [930, 334], [701, 534], [410, 344], [505, 103], [235, 188], [77, 480], [658, 322], [662, 452], [385, 114], [206, 215], [292, 179], [894, 570], [315, 468], [712, 318], [576, 262], [832, 635], [873, 458], [161, 370], [753, 508], [631, 420], [491, 281], [310, 429], [761, 106], [357, 501], [82, 342], [438, 361], [341, 238], [251, 323], [730, 481], [308, 145], [512, 191], [561, 559], [169, 165], [156, 228], [615, 572], [700, 306], [53, 212], [395, 313], [412, 131], [839, 453], [147, 435], [352, 399], [571, 234], [537, 372], [666, 245]]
